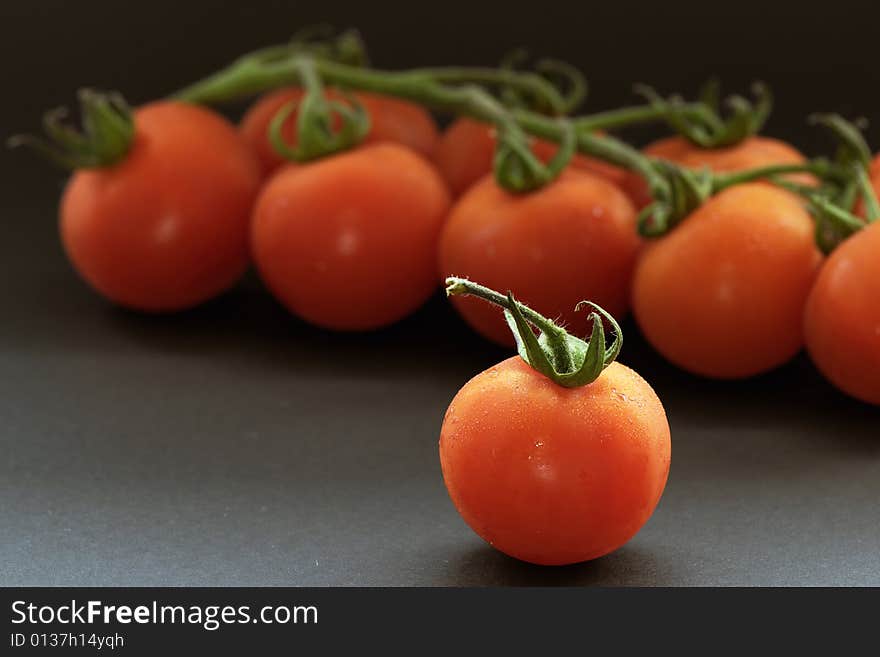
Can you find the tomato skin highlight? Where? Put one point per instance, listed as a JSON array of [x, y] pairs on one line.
[[466, 149], [391, 120], [572, 240], [349, 242], [842, 317], [723, 294], [751, 153], [167, 227], [554, 475]]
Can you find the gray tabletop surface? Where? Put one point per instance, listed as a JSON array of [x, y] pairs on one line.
[[236, 445]]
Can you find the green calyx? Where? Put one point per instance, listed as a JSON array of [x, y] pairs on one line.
[[704, 124], [515, 166], [558, 355], [317, 136], [568, 86], [687, 190], [105, 139], [316, 133], [833, 223]]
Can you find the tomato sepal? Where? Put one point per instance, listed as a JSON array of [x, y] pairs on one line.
[[704, 125], [105, 138], [316, 135], [563, 358]]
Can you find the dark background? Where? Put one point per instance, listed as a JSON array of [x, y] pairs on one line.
[[234, 444]]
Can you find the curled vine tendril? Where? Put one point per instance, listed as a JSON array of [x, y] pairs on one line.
[[567, 81], [706, 125], [832, 203], [515, 165], [323, 127]]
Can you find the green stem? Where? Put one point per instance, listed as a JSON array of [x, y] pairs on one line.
[[530, 84], [869, 196], [477, 104], [456, 90], [833, 222], [244, 78], [456, 286], [819, 168], [555, 335], [247, 77], [627, 116], [603, 147], [558, 355]]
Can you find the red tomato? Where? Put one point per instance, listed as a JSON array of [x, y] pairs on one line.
[[464, 153], [572, 240], [391, 120], [750, 153], [167, 227], [723, 294], [555, 475], [465, 150], [349, 242], [842, 318]]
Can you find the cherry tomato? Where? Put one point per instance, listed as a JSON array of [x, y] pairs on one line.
[[555, 475], [349, 242], [874, 173], [572, 240], [391, 120], [842, 318], [750, 153], [464, 153], [723, 294], [167, 227], [465, 150]]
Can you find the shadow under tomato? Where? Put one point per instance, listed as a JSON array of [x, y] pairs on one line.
[[630, 565]]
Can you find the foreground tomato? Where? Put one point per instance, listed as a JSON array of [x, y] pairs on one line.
[[390, 120], [751, 153], [842, 318], [723, 294], [550, 474], [465, 150], [573, 239], [167, 227], [349, 242]]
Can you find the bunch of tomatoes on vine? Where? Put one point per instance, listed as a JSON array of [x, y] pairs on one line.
[[732, 249]]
